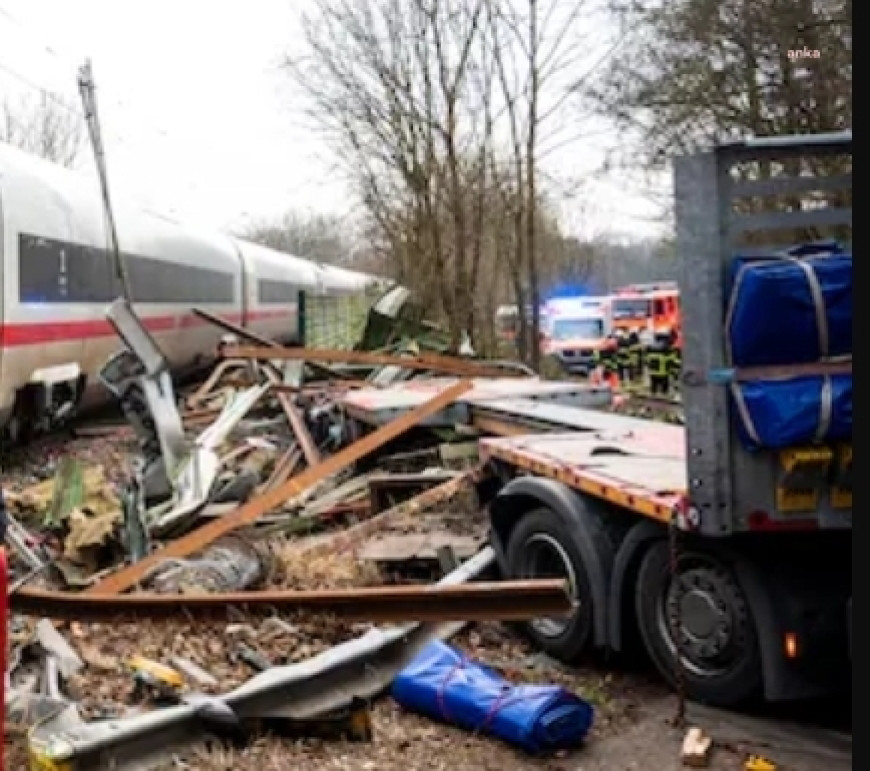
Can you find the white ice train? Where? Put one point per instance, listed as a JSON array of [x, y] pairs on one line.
[[56, 281]]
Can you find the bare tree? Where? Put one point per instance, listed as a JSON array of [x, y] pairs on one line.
[[394, 84], [428, 104], [314, 236], [44, 127], [535, 43]]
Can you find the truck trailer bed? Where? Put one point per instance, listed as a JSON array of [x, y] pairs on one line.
[[636, 464]]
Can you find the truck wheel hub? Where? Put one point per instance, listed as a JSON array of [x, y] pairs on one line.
[[711, 618], [545, 557]]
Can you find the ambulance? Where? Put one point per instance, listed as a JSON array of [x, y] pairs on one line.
[[574, 329]]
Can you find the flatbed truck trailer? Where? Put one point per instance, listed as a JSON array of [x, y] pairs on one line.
[[730, 568]]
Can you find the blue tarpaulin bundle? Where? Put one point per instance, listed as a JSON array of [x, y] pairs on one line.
[[784, 413], [790, 308], [443, 684]]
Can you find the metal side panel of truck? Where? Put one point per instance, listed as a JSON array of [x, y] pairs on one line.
[[730, 570], [735, 490]]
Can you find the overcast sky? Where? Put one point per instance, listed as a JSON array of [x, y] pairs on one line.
[[199, 118]]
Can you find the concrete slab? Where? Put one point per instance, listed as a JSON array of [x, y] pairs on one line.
[[377, 406]]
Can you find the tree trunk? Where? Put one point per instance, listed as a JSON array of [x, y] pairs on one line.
[[532, 198]]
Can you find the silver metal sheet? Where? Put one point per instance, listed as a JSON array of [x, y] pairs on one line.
[[378, 406], [567, 416]]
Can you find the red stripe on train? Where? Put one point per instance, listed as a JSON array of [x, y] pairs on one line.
[[16, 335]]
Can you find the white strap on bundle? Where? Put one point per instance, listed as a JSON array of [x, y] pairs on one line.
[[816, 293], [826, 411]]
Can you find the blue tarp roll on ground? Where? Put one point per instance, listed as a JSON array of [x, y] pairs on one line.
[[784, 413], [772, 316], [443, 684]]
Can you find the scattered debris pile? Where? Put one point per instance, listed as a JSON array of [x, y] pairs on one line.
[[271, 551], [225, 578]]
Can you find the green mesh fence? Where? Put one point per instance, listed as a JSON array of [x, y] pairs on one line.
[[335, 322]]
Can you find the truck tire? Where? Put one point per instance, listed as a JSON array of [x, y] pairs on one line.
[[720, 652], [540, 546]]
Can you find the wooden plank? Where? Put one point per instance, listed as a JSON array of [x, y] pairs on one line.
[[270, 499]]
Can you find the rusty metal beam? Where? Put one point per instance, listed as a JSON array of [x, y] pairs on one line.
[[284, 467], [429, 363], [495, 600], [270, 499], [297, 422], [228, 326]]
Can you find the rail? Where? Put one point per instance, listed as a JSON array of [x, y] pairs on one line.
[[362, 668], [499, 601]]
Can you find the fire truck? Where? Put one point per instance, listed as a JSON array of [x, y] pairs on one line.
[[648, 309]]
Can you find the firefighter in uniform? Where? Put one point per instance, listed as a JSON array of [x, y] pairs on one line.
[[635, 356], [605, 359], [657, 365], [623, 358]]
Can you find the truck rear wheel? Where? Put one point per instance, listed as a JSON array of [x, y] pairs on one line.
[[720, 653], [540, 546]]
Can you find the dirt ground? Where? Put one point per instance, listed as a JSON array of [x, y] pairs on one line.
[[404, 742], [633, 709]]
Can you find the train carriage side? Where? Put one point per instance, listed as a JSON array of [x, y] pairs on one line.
[[7, 395], [58, 279], [345, 281], [273, 282]]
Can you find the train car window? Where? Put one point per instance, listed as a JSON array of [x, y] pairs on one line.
[[273, 291], [53, 271]]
